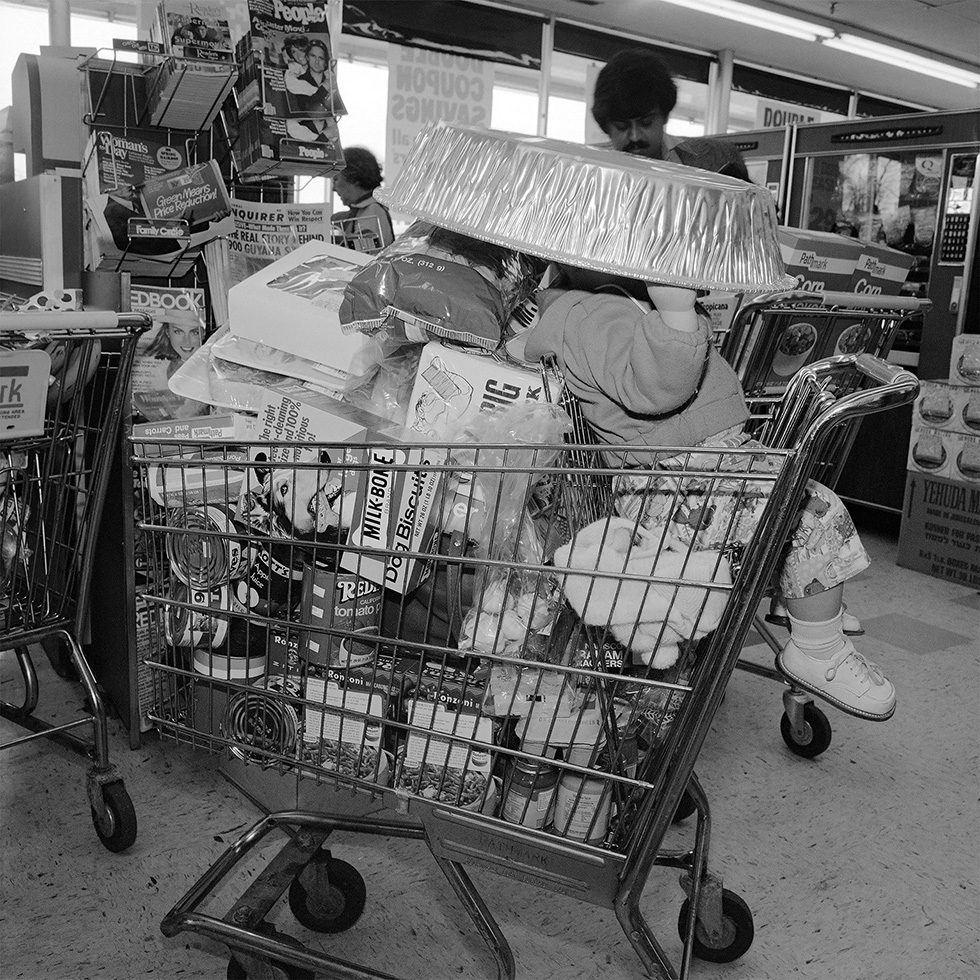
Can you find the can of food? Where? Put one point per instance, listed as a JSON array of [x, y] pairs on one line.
[[344, 602], [529, 790], [205, 548], [582, 807], [201, 619]]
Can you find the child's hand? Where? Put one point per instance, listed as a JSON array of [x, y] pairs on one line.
[[675, 305]]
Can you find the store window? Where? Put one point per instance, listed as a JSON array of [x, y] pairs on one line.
[[26, 31]]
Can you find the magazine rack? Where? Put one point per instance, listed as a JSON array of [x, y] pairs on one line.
[[163, 91]]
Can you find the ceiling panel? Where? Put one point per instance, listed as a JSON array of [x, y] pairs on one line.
[[948, 30]]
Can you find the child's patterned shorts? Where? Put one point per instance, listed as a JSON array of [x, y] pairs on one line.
[[824, 551]]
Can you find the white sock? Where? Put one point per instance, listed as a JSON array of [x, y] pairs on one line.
[[818, 640]]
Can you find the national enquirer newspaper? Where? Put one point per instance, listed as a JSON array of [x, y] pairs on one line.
[[266, 232]]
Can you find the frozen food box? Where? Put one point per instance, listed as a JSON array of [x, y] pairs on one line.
[[930, 451], [293, 304], [881, 270], [453, 386], [292, 412], [822, 260], [227, 427], [964, 362]]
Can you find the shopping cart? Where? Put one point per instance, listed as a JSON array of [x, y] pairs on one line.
[[534, 708], [63, 387], [823, 325]]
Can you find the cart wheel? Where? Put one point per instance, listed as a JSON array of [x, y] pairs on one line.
[[684, 808], [117, 830], [817, 732], [737, 930], [280, 969], [328, 895]]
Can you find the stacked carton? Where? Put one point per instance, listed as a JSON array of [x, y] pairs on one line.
[[941, 515]]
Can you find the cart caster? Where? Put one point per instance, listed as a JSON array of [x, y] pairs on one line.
[[116, 826], [737, 930], [328, 895], [685, 807], [277, 968], [814, 736]]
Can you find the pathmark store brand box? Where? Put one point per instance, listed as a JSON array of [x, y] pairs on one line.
[[940, 533], [881, 270], [823, 261]]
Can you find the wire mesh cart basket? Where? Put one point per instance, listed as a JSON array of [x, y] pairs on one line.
[[63, 387], [471, 641], [771, 338]]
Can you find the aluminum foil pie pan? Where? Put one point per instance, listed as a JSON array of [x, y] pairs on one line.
[[594, 208]]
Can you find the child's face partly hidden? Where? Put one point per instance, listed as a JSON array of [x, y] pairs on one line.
[[185, 339], [643, 136]]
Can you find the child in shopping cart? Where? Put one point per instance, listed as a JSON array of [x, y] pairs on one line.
[[646, 373]]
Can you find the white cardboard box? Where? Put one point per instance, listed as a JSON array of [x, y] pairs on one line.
[[294, 303], [454, 386]]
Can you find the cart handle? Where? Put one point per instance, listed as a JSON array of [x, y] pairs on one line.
[[895, 386], [58, 322], [909, 305]]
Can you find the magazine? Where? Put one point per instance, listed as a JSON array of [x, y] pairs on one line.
[[179, 326]]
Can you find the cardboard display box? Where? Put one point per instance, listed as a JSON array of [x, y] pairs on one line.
[[940, 533], [964, 361], [881, 270], [947, 406], [823, 261]]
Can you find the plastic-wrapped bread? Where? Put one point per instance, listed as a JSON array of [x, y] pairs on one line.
[[594, 208]]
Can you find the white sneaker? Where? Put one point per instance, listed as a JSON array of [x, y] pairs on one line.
[[847, 680], [780, 617]]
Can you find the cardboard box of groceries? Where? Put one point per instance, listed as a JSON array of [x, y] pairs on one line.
[[822, 260]]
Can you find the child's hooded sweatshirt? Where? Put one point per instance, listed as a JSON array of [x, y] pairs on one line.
[[638, 381]]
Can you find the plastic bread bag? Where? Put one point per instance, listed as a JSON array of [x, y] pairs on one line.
[[434, 284], [513, 607], [500, 454]]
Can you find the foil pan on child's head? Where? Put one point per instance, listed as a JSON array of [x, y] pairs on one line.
[[592, 207]]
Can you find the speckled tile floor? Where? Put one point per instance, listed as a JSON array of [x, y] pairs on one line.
[[860, 865]]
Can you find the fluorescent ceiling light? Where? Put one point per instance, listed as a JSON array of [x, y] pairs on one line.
[[903, 59], [750, 16]]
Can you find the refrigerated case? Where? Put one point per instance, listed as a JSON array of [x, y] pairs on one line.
[[909, 182], [906, 181]]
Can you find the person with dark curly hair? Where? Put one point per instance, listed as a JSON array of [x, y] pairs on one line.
[[366, 224], [634, 96]]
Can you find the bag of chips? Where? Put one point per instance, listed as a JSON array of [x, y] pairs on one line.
[[435, 284]]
